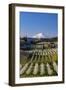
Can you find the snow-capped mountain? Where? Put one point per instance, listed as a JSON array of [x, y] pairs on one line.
[[39, 35]]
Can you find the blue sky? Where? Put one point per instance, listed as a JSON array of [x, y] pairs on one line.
[[32, 23]]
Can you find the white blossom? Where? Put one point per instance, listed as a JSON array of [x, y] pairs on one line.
[[24, 68], [49, 69], [55, 67], [35, 71], [42, 69], [29, 69]]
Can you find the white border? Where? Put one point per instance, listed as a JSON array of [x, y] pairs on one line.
[[19, 80]]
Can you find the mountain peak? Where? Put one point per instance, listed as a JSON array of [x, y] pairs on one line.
[[39, 35]]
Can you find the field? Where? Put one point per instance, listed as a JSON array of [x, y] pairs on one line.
[[38, 62]]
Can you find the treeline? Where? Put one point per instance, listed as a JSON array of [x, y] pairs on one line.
[[36, 40]]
